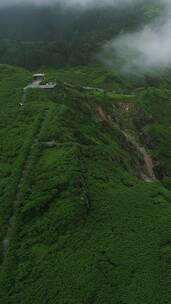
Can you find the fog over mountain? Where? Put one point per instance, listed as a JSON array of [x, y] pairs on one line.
[[148, 49], [136, 51]]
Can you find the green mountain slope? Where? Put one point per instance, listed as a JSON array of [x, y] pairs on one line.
[[82, 220]]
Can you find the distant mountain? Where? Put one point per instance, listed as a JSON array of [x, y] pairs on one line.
[[28, 34]]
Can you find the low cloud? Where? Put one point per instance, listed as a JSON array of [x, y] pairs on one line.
[[146, 50]]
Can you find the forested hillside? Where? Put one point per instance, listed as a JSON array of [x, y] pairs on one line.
[[85, 154], [85, 209]]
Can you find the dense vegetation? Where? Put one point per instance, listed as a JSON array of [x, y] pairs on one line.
[[85, 168], [88, 228]]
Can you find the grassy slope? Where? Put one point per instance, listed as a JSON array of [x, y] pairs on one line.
[[87, 230]]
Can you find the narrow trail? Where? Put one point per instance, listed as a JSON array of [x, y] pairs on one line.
[[19, 192], [24, 97]]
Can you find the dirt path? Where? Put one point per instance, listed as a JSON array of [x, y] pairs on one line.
[[19, 192]]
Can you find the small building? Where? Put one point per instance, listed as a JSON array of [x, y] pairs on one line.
[[39, 77]]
